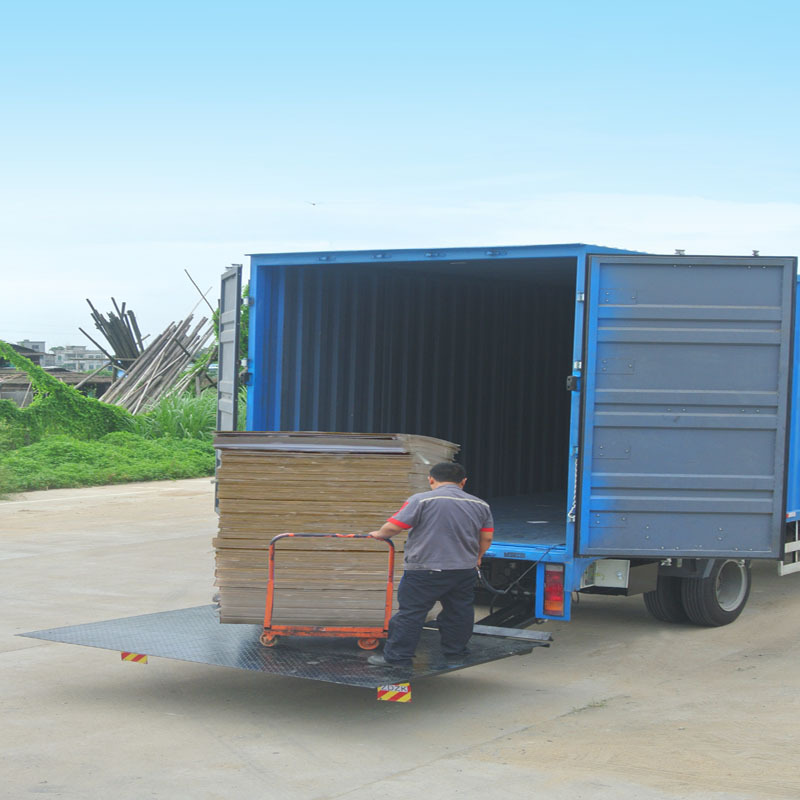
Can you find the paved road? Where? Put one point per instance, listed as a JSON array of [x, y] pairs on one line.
[[619, 708]]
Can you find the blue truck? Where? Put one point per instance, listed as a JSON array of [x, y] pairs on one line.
[[629, 416]]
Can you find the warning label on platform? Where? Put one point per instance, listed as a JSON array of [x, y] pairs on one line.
[[395, 692], [139, 658]]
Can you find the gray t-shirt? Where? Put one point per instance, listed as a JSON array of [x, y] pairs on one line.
[[445, 525]]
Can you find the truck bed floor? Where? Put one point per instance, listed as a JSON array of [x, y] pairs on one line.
[[536, 520]]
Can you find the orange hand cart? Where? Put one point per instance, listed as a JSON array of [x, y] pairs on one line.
[[368, 637]]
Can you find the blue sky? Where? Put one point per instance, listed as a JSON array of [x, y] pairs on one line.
[[139, 139]]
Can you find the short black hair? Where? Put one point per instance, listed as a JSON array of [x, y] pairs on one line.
[[448, 472]]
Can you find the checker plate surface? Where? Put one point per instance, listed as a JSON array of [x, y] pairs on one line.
[[195, 634]]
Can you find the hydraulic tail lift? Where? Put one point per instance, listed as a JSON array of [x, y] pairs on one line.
[[195, 634], [311, 652]]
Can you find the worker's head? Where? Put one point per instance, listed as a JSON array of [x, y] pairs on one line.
[[447, 472]]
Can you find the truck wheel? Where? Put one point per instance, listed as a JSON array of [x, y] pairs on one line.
[[719, 598], [665, 602]]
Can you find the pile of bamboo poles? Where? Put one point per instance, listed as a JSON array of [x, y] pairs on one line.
[[156, 371], [120, 331]]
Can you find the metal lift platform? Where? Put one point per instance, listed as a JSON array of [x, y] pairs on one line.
[[196, 635]]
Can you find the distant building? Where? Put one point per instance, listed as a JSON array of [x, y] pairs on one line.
[[78, 358], [74, 357], [31, 345], [47, 359], [16, 386], [68, 364], [28, 352]]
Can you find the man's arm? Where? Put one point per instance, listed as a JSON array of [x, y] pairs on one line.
[[403, 520], [484, 544], [386, 531]]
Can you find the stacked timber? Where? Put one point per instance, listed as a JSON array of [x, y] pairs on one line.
[[274, 483]]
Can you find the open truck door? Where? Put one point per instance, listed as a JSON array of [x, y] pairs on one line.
[[228, 357], [684, 421], [228, 361]]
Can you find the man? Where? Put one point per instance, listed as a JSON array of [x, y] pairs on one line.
[[450, 531]]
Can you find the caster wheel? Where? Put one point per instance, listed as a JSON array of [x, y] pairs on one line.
[[268, 639], [368, 644]]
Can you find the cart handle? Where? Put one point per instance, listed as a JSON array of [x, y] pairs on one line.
[[331, 536], [271, 570]]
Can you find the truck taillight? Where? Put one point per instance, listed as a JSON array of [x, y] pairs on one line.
[[554, 589]]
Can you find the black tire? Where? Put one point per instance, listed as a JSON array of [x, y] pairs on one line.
[[720, 598], [665, 602]]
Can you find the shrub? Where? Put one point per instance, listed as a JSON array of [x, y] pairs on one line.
[[56, 408], [182, 416], [64, 439], [12, 434], [64, 462]]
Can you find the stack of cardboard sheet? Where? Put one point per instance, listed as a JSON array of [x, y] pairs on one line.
[[273, 483]]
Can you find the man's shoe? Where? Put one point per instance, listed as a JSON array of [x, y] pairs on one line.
[[378, 660]]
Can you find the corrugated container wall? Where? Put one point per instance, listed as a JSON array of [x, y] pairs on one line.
[[473, 354]]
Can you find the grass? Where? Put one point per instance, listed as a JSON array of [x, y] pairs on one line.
[[58, 462], [180, 417], [593, 704], [172, 440]]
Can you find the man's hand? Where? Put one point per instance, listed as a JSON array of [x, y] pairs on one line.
[[387, 530]]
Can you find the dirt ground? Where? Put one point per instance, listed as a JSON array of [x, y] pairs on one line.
[[619, 707]]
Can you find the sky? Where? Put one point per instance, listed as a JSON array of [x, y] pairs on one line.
[[142, 139]]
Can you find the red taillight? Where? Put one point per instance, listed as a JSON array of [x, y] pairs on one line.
[[554, 589]]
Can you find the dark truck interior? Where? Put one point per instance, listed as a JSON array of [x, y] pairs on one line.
[[475, 352]]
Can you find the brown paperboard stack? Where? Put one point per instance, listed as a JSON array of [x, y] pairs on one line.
[[273, 483]]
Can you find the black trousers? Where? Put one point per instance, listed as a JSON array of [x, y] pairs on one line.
[[416, 595]]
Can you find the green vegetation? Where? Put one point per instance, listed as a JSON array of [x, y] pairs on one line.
[[593, 704], [180, 417], [56, 409], [62, 461], [64, 439]]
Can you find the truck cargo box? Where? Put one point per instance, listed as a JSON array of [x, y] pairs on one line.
[[607, 403]]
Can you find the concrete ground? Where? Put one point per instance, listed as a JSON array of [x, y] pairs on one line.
[[619, 707]]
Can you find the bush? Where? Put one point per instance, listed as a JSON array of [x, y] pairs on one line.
[[180, 416], [12, 435], [56, 408], [65, 440], [58, 462]]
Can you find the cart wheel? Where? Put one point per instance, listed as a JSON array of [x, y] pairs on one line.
[[368, 644], [268, 639]]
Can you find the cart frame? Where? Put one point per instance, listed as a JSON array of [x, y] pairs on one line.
[[369, 637]]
